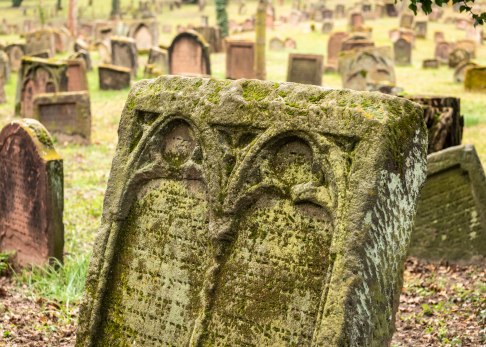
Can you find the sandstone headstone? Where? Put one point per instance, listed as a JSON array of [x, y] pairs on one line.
[[62, 39], [420, 29], [476, 79], [461, 70], [76, 75], [114, 77], [189, 55], [406, 21], [305, 68], [367, 69], [124, 53], [443, 119], [458, 56], [442, 51], [451, 215], [430, 64], [39, 41], [104, 51], [66, 115], [3, 96], [212, 35], [227, 210], [240, 57], [276, 44], [327, 14], [145, 34], [334, 46], [15, 53], [31, 194], [403, 52], [5, 69], [356, 21]]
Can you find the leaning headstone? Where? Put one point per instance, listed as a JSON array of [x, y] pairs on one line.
[[420, 29], [189, 55], [475, 79], [367, 69], [430, 64], [402, 51], [442, 51], [39, 41], [450, 224], [406, 21], [334, 46], [15, 53], [124, 53], [458, 56], [240, 57], [305, 68], [114, 77], [66, 115], [3, 96], [443, 119], [31, 194], [276, 44], [227, 208], [461, 70]]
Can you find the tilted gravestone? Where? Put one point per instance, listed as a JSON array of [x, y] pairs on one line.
[[305, 68], [451, 214], [240, 57], [31, 194], [254, 213], [402, 51], [124, 53], [39, 41], [112, 77], [66, 115], [189, 55], [475, 79], [367, 69], [443, 119]]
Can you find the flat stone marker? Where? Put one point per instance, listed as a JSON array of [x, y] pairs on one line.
[[305, 68], [189, 55], [124, 53], [31, 194], [476, 79], [240, 57], [254, 213], [430, 64], [67, 116], [114, 77], [451, 216]]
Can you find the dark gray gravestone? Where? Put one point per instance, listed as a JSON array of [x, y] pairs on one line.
[[114, 77], [305, 68]]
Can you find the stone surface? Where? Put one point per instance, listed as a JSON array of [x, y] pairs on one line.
[[114, 77], [305, 68], [124, 53], [76, 75], [39, 41], [254, 213], [240, 58], [356, 21], [476, 79], [357, 41], [402, 51], [31, 194], [66, 115], [451, 216], [189, 55], [443, 119], [367, 69], [85, 56]]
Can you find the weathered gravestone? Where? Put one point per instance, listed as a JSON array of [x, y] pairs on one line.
[[158, 62], [442, 51], [340, 11], [402, 51], [356, 21], [430, 64], [84, 56], [451, 214], [31, 194], [104, 51], [145, 34], [276, 44], [461, 70], [458, 56], [439, 36], [305, 68], [475, 79], [327, 27], [467, 45], [114, 77], [3, 96], [212, 35], [15, 53], [367, 69], [66, 115], [254, 213], [406, 21], [391, 9], [334, 46], [443, 119], [124, 53], [240, 57], [356, 41], [40, 41], [189, 55]]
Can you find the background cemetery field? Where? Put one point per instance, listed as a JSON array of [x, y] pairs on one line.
[[440, 306]]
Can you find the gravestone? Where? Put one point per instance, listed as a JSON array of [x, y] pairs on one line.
[[367, 69], [467, 45], [461, 70], [327, 14], [39, 41], [62, 39], [66, 115], [104, 51], [340, 11], [114, 77], [403, 52], [458, 56], [212, 35], [391, 10], [356, 21], [443, 119], [356, 41], [476, 79], [406, 21], [334, 46], [83, 55], [442, 51], [227, 210], [159, 61], [4, 66], [439, 36], [305, 68], [124, 53], [76, 75], [420, 29], [276, 44], [290, 43], [15, 53], [145, 34], [189, 55], [240, 57], [31, 194], [430, 64], [327, 27], [450, 224]]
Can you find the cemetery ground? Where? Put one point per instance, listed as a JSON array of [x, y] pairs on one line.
[[441, 304]]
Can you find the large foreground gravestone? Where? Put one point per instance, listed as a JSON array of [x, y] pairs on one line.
[[451, 214], [254, 213], [31, 194], [189, 55], [305, 68]]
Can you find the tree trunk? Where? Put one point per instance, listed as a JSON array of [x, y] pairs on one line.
[[260, 41]]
